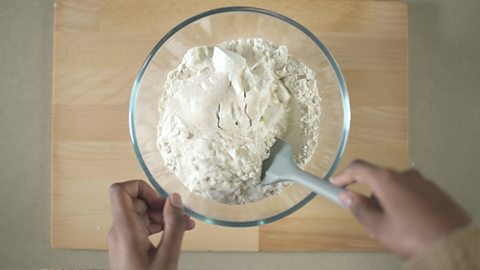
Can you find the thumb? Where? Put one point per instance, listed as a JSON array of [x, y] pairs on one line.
[[367, 211], [174, 228]]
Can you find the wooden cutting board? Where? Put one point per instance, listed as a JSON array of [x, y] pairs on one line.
[[99, 47]]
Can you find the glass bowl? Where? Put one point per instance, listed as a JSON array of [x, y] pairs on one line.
[[217, 26]]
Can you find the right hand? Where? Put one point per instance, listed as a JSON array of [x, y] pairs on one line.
[[406, 212]]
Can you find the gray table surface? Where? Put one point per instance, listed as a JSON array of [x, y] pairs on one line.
[[444, 132]]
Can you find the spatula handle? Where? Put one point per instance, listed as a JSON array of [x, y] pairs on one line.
[[319, 186]]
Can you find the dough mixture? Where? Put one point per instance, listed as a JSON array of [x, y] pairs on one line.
[[222, 108]]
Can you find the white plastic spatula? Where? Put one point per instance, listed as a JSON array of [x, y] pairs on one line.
[[281, 167]]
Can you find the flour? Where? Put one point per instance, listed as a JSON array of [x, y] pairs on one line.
[[222, 109]]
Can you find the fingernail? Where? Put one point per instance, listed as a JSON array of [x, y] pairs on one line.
[[176, 200], [192, 223], [345, 199], [333, 180]]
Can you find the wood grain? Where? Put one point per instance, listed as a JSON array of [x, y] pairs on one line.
[[99, 47]]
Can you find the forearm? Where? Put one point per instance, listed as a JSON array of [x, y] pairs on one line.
[[459, 250]]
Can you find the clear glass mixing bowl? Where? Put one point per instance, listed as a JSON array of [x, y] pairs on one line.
[[217, 26]]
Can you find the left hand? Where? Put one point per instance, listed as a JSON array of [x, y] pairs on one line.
[[138, 212]]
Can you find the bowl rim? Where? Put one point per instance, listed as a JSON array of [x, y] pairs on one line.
[[138, 81]]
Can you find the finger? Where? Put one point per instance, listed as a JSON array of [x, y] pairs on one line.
[[121, 205], [156, 215], [379, 180], [155, 228], [376, 202], [158, 227], [146, 220], [174, 228], [412, 174], [189, 223], [140, 206], [138, 189], [156, 218], [358, 171], [365, 210]]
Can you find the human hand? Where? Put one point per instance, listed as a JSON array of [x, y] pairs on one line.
[[406, 212], [139, 211]]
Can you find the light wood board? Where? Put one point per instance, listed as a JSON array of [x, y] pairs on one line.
[[99, 47]]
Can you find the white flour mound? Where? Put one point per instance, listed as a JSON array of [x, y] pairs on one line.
[[221, 110]]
